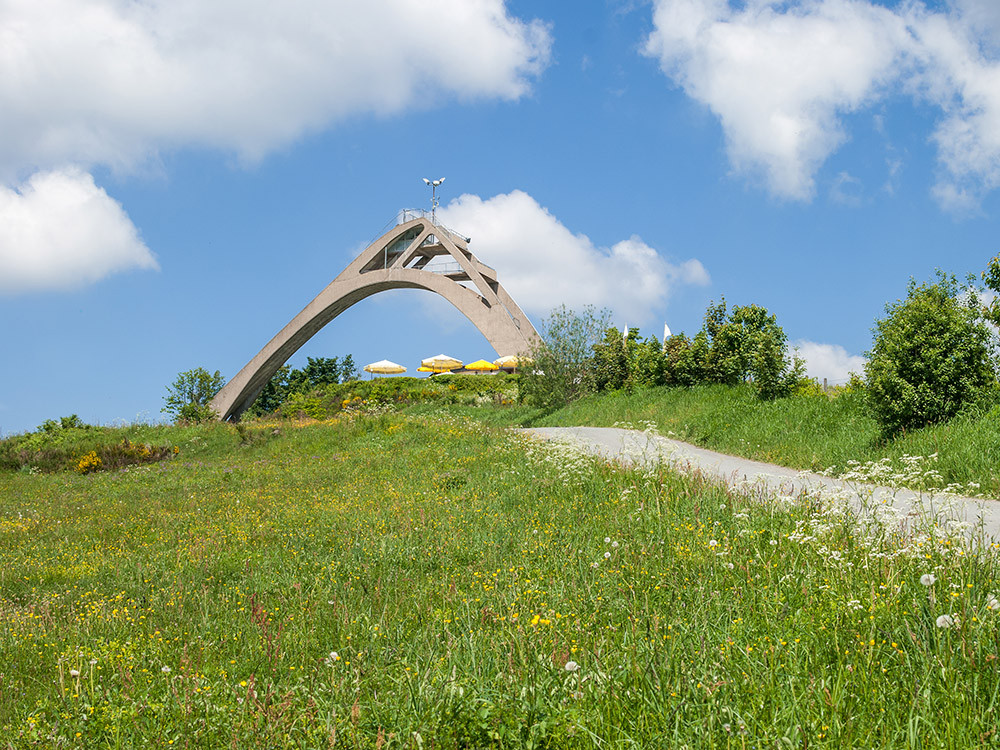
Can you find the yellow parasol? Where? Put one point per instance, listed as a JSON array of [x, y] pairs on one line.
[[481, 365], [441, 363], [384, 367], [512, 361]]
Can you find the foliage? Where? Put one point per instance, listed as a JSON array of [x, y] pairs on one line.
[[389, 582], [189, 396], [991, 277], [733, 347], [561, 369], [499, 389], [79, 447], [287, 382], [930, 357]]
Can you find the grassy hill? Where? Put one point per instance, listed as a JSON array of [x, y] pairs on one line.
[[387, 580]]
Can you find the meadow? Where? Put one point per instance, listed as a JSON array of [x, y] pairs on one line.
[[385, 580], [811, 431]]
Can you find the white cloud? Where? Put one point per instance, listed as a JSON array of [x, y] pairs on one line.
[[543, 264], [781, 76], [112, 81], [829, 361], [60, 230]]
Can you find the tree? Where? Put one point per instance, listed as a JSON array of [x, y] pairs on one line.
[[348, 370], [560, 372], [930, 357], [189, 396]]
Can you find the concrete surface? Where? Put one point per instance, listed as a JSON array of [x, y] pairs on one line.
[[641, 448]]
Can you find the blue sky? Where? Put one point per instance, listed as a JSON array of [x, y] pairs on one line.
[[179, 178]]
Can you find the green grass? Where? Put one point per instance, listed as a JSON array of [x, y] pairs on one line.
[[457, 571], [811, 432]]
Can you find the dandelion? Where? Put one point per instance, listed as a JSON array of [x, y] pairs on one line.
[[607, 540], [93, 662], [165, 669], [571, 666], [928, 579], [594, 565], [993, 603], [334, 656], [74, 673], [945, 621], [713, 543], [614, 544], [607, 555]]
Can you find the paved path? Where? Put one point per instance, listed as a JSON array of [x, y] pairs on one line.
[[635, 447]]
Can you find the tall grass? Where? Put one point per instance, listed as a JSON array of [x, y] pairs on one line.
[[811, 432], [394, 581]]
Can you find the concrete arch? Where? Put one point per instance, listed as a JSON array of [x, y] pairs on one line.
[[403, 258]]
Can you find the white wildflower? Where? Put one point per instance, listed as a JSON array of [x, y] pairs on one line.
[[571, 666], [945, 621], [928, 579]]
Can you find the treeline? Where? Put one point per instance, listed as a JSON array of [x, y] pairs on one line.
[[934, 354], [581, 353]]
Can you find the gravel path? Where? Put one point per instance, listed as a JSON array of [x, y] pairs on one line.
[[635, 447]]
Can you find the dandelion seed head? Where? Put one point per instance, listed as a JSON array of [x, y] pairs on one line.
[[928, 579], [945, 621], [571, 666], [165, 669]]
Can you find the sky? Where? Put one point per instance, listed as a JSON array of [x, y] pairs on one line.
[[179, 178]]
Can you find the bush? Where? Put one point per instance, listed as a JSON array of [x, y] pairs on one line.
[[930, 357], [189, 396], [562, 369]]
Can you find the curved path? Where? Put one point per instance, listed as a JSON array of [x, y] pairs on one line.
[[643, 448]]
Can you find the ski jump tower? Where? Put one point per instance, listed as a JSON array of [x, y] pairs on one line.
[[415, 254]]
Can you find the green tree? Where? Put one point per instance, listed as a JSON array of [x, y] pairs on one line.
[[560, 372], [348, 370], [189, 396], [930, 357]]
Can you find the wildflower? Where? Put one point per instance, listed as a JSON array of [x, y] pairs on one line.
[[594, 565], [165, 669], [928, 579], [993, 603], [713, 543], [74, 673], [93, 662], [614, 544], [334, 656], [607, 555], [945, 621], [607, 540], [571, 666]]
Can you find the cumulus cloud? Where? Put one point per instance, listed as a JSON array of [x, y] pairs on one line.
[[829, 361], [543, 264], [781, 76], [114, 82], [60, 230]]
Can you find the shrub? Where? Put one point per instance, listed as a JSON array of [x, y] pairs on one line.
[[189, 396], [561, 370], [930, 357]]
